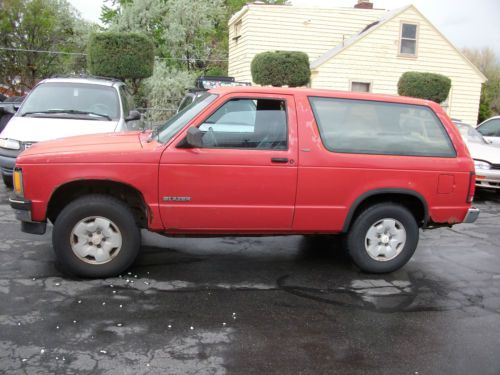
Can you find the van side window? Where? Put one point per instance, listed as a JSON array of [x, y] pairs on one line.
[[371, 127], [247, 123]]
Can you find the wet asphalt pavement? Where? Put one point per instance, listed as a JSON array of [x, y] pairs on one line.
[[280, 305]]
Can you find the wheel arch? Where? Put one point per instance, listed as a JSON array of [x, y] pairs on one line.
[[67, 192], [411, 199]]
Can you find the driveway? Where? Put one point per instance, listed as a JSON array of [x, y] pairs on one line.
[[265, 305]]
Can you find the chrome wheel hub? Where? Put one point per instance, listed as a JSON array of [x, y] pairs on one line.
[[96, 240], [385, 239]]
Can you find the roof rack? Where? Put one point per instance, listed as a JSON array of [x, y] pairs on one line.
[[210, 82], [88, 76]]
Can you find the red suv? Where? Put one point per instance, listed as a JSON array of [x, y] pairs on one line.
[[253, 161]]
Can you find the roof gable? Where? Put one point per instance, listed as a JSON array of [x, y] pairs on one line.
[[349, 42], [376, 25]]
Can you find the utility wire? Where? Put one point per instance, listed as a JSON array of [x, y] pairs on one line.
[[84, 54], [41, 51]]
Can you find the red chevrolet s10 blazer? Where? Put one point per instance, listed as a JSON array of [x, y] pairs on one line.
[[253, 161]]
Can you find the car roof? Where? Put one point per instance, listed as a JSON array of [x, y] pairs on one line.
[[322, 92], [488, 119], [89, 80]]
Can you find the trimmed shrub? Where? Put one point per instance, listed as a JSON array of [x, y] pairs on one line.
[[430, 86], [120, 55], [281, 68]]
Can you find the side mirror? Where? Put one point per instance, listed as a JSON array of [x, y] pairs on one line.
[[194, 137], [10, 108], [133, 115]]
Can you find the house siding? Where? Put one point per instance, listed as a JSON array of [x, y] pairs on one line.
[[287, 28], [375, 59]]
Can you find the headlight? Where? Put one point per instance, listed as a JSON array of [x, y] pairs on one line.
[[479, 164], [17, 179], [11, 144]]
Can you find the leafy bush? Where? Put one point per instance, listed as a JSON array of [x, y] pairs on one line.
[[485, 111], [120, 55], [281, 68], [430, 86], [164, 90]]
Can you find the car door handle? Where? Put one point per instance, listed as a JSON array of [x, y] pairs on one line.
[[279, 160]]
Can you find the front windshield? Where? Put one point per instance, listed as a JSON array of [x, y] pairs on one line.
[[470, 134], [74, 100], [166, 131]]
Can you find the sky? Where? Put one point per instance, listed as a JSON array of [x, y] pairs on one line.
[[473, 24]]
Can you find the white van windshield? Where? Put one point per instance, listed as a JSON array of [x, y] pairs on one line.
[[72, 100]]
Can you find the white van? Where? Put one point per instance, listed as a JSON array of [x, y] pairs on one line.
[[63, 107]]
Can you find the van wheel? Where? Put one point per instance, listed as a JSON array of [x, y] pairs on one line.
[[96, 236], [383, 238], [7, 180]]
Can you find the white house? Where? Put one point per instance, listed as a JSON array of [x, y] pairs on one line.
[[357, 49]]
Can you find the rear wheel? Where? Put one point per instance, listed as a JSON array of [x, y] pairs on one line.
[[96, 236], [7, 180], [383, 238]]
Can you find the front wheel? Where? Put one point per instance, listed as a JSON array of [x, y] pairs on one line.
[[96, 236], [383, 238]]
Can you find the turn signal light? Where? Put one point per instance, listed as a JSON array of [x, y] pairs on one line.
[[17, 178]]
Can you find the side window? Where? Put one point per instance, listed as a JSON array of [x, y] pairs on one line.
[[247, 123], [369, 127], [360, 86], [408, 43], [491, 128]]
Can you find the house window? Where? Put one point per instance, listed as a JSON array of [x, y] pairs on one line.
[[237, 30], [360, 86], [408, 45]]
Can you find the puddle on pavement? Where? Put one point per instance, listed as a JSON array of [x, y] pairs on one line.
[[389, 296]]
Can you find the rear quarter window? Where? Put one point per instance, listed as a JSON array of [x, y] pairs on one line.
[[371, 127]]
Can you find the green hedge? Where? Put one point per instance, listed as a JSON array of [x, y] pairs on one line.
[[281, 68], [430, 86], [120, 55]]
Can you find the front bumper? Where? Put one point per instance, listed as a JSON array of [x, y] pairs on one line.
[[22, 209], [488, 178], [8, 160], [7, 165], [472, 215]]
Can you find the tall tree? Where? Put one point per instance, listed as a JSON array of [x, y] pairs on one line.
[[487, 62], [29, 31], [191, 35]]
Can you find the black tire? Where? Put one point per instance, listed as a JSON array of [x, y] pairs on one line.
[[106, 207], [359, 230], [7, 180]]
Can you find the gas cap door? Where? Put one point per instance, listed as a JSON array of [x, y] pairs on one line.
[[446, 184]]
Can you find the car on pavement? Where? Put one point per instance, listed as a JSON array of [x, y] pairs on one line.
[[486, 157], [490, 129], [284, 162], [62, 107]]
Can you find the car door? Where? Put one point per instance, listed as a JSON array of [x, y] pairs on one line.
[[243, 178], [490, 130]]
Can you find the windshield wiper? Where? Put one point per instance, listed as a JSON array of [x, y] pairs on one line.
[[68, 111]]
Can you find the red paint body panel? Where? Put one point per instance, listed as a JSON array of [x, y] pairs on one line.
[[232, 190], [242, 190]]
